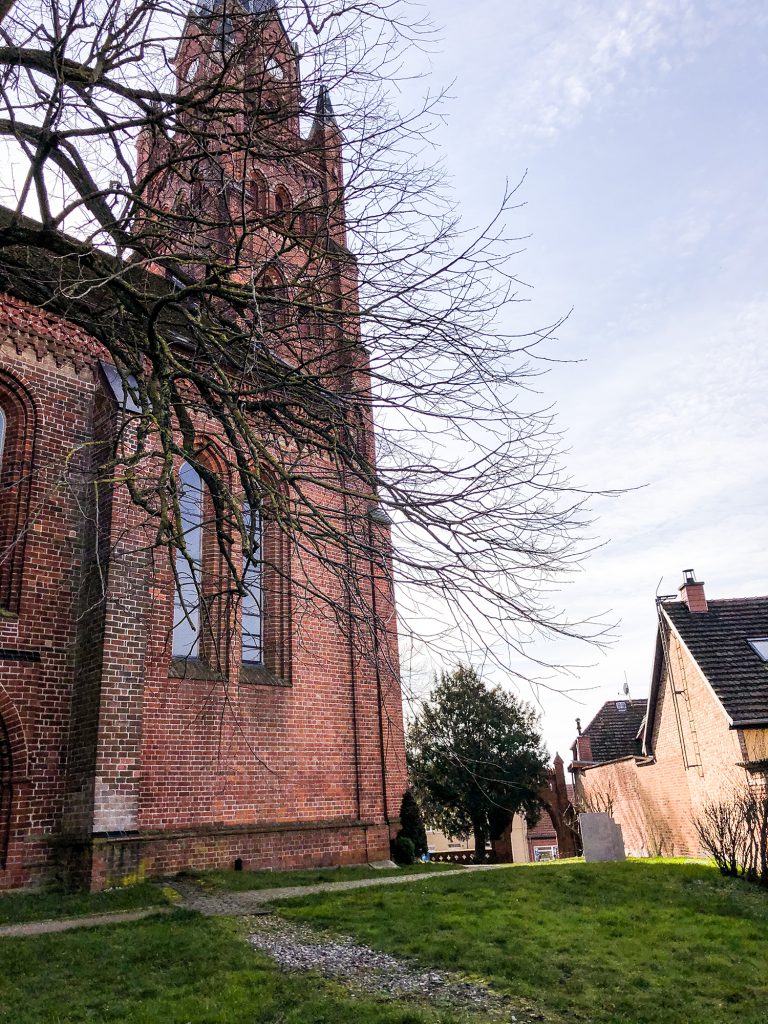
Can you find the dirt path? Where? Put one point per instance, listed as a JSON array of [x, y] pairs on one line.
[[233, 904], [17, 931], [226, 904]]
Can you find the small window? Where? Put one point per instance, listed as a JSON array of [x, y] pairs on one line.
[[189, 560], [542, 853], [760, 646], [252, 601]]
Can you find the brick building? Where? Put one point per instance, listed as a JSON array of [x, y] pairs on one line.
[[133, 739], [705, 733]]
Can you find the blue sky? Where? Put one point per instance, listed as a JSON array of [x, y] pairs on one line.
[[642, 129]]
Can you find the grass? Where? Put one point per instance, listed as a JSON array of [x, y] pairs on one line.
[[645, 942], [18, 908], [240, 881], [180, 969]]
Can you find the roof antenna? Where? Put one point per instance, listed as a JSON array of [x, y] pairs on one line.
[[626, 684]]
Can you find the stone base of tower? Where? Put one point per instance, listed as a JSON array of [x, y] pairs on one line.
[[124, 858]]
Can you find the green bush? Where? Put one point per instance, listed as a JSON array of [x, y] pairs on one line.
[[402, 850], [413, 824]]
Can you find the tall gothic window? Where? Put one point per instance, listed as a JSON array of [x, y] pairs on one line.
[[189, 563], [253, 584], [17, 436]]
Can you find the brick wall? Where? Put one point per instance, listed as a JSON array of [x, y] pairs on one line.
[[122, 765], [695, 759]]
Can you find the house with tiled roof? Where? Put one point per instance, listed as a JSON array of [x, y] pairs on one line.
[[705, 729], [615, 731]]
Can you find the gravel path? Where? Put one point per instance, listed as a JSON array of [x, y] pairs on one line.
[[297, 947]]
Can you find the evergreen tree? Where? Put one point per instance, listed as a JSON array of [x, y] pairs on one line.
[[475, 757]]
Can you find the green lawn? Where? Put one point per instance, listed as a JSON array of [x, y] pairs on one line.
[[636, 943], [240, 881], [16, 908], [181, 969]]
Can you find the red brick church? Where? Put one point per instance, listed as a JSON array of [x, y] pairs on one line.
[[133, 740]]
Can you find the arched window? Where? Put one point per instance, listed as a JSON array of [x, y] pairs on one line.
[[273, 305], [6, 792], [283, 206], [188, 565], [252, 604], [17, 444], [259, 193]]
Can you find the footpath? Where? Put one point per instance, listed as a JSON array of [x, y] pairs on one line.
[[227, 904]]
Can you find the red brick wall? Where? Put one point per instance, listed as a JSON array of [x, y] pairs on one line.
[[169, 771], [43, 362]]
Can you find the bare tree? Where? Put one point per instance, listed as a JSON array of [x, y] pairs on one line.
[[291, 318]]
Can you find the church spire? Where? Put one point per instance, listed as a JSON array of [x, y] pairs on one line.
[[324, 114]]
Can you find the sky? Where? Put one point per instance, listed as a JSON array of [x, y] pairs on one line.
[[641, 131]]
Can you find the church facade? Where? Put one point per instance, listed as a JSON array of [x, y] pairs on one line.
[[138, 736]]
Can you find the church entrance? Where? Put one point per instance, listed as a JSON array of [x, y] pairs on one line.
[[6, 792]]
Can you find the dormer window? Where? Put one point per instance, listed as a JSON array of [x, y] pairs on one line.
[[760, 646]]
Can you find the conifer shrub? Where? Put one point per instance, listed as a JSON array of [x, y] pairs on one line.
[[402, 850], [412, 824]]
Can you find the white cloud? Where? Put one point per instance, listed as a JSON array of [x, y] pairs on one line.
[[568, 56]]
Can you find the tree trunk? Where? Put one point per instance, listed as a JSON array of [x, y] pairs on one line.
[[480, 834]]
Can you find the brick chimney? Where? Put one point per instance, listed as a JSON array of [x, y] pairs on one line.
[[692, 592], [583, 747]]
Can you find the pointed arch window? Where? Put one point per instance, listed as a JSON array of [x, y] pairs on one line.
[[188, 566], [273, 307], [259, 193], [252, 603], [283, 205], [17, 439]]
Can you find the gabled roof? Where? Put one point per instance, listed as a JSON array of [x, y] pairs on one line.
[[717, 641], [613, 732]]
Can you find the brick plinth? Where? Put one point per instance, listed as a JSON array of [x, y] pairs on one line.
[[122, 858]]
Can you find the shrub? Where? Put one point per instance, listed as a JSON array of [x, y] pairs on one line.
[[402, 850], [413, 824], [735, 833]]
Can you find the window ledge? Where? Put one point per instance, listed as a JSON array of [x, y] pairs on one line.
[[194, 668], [259, 675]]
